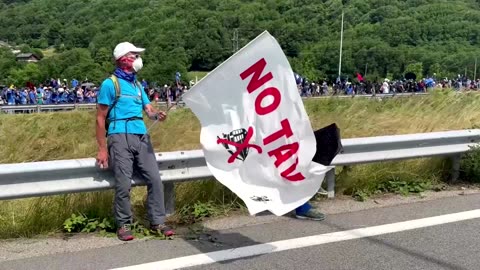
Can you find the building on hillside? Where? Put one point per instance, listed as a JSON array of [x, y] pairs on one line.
[[27, 57], [4, 44]]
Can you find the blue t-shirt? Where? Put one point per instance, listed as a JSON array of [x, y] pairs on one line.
[[74, 83], [48, 94], [53, 97], [23, 97], [130, 104], [31, 95], [10, 97]]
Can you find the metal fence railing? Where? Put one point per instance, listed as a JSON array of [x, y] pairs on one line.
[[45, 178], [91, 106]]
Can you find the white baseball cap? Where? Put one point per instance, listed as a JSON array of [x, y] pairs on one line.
[[125, 47]]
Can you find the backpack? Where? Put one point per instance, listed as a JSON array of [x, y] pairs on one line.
[[118, 93]]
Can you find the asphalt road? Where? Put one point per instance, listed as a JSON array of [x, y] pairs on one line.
[[453, 245]]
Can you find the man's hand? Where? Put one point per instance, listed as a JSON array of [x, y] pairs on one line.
[[102, 156], [155, 114], [162, 116], [102, 159]]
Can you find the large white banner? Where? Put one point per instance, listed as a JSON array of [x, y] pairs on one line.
[[256, 135]]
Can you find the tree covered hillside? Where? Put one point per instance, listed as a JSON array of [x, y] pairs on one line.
[[390, 36]]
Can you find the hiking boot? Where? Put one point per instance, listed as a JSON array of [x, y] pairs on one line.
[[312, 214], [162, 229], [124, 233]]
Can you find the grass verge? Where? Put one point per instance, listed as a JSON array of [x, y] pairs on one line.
[[197, 75], [67, 135]]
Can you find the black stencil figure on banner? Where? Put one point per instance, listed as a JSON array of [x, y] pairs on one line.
[[239, 139], [260, 198]]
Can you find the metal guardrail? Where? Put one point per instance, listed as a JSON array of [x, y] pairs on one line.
[[58, 107], [401, 147], [22, 180], [92, 106], [377, 96], [45, 108], [45, 178], [408, 146]]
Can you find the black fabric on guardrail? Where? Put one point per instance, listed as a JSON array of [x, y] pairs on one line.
[[329, 144]]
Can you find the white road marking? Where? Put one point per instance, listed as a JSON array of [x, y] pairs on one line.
[[243, 252]]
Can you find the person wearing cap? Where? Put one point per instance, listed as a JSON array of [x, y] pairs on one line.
[[128, 145]]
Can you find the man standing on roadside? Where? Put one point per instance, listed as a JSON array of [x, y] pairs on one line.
[[121, 100]]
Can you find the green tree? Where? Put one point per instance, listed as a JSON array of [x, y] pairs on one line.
[[416, 68], [7, 63], [28, 73], [386, 35], [436, 70], [161, 66], [105, 59]]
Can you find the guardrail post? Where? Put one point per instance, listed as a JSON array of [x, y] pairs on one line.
[[455, 172], [39, 109], [169, 193], [330, 183]]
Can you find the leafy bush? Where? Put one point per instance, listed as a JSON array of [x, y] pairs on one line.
[[470, 165], [197, 212], [403, 188], [81, 223]]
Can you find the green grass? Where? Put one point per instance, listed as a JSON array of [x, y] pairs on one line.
[[48, 52], [197, 74], [68, 135]]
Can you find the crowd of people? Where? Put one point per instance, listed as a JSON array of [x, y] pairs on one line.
[[56, 92], [363, 87]]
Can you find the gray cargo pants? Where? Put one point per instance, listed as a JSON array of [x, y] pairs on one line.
[[126, 153]]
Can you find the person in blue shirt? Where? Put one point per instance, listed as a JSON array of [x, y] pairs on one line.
[[10, 97], [144, 84], [23, 96], [31, 96], [41, 90], [74, 83], [54, 96], [61, 96], [89, 96], [128, 145], [71, 96], [177, 77], [48, 96]]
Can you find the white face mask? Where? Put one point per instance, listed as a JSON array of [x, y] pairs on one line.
[[137, 64]]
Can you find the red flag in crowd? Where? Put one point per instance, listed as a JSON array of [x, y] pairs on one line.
[[359, 77], [30, 85]]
